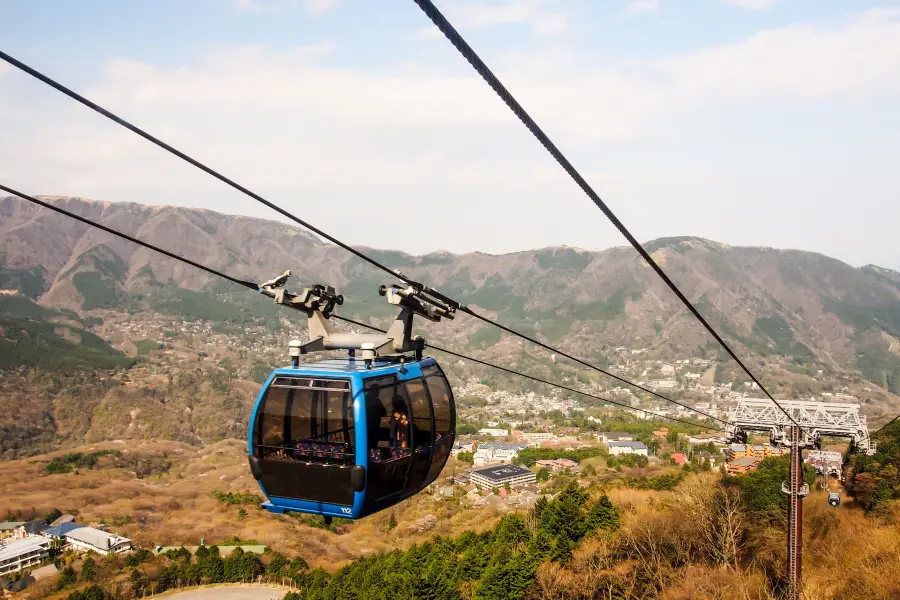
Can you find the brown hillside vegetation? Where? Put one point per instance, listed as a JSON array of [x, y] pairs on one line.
[[697, 543], [160, 493], [800, 312]]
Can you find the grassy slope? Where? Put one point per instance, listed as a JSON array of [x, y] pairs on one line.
[[176, 507]]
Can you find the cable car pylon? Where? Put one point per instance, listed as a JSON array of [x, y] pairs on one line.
[[799, 424]]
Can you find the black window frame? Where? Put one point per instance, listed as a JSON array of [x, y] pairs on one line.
[[348, 422]]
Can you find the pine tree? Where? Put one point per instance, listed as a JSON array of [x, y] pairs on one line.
[[297, 567], [541, 546], [67, 577], [565, 514], [89, 569], [509, 581], [512, 530], [95, 592], [392, 523], [276, 565], [562, 553], [539, 507], [603, 515]]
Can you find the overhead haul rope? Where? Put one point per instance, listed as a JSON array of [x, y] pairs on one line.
[[884, 426], [106, 113], [479, 65], [255, 287]]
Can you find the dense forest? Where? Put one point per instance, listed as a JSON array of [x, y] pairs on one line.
[[875, 480]]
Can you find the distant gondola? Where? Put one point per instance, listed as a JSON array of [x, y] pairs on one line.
[[834, 499], [352, 436]]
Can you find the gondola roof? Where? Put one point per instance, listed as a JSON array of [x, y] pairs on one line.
[[380, 366]]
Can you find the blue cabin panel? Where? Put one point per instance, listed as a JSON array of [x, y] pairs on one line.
[[320, 430]]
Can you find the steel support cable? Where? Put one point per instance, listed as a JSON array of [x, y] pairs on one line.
[[113, 117], [884, 426], [125, 236], [106, 113], [532, 377], [589, 365], [255, 287], [479, 65]]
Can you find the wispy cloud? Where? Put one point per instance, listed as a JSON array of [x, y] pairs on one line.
[[752, 4], [643, 7], [321, 6], [427, 33], [313, 6], [543, 16], [296, 127]]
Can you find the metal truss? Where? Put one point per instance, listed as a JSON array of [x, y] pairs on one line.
[[816, 418]]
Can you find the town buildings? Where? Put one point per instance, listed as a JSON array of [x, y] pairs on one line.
[[494, 432], [536, 439], [462, 447], [23, 553], [614, 436], [743, 465], [499, 476], [706, 457], [735, 451], [618, 448], [87, 538], [558, 464], [496, 452]]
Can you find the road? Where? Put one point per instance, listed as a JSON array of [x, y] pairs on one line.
[[231, 593]]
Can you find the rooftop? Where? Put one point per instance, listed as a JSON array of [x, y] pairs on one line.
[[501, 472], [19, 547], [340, 366], [746, 461], [501, 446], [635, 445], [87, 535]]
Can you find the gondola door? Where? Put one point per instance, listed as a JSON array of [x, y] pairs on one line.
[[389, 432], [423, 434], [444, 418]]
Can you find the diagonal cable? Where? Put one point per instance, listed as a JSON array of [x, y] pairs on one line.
[[531, 377], [112, 116], [254, 287], [479, 65]]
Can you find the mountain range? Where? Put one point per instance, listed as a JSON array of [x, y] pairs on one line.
[[804, 321]]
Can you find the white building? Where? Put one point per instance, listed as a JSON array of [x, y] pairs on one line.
[[667, 370], [87, 538], [494, 432], [500, 475], [462, 447], [614, 436], [536, 439], [617, 448], [20, 554], [495, 452]]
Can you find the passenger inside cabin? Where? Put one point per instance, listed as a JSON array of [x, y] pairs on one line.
[[399, 425]]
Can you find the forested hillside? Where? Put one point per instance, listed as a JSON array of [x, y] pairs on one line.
[[121, 342]]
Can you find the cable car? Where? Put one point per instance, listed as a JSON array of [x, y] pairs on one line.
[[834, 499], [351, 436]]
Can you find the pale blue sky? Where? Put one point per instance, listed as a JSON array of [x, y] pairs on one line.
[[759, 122]]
